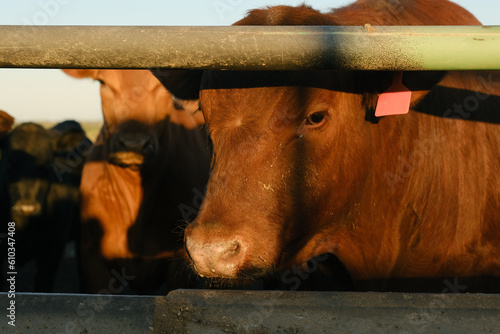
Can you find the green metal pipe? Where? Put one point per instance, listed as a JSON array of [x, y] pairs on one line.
[[252, 47]]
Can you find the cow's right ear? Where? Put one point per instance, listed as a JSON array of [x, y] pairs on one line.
[[79, 74], [182, 84]]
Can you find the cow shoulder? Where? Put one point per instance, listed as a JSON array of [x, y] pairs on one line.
[[286, 15], [404, 12]]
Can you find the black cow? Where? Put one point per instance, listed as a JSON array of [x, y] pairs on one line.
[[6, 123], [43, 170]]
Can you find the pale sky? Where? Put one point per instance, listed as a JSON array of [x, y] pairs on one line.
[[32, 95]]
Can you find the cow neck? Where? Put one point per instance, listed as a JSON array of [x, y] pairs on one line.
[[126, 185]]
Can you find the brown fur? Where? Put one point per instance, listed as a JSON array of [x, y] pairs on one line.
[[131, 217], [414, 196], [6, 122]]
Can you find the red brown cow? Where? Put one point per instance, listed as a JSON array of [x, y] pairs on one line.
[[147, 161], [302, 167], [6, 122]]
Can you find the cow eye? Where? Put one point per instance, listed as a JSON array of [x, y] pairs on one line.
[[101, 81], [316, 119]]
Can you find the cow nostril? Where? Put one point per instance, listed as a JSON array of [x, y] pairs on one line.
[[121, 143], [148, 146], [230, 251]]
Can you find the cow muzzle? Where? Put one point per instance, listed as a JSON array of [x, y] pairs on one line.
[[129, 149], [216, 259], [26, 209]]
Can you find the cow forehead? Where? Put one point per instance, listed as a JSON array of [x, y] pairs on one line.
[[260, 107], [127, 79], [262, 100], [341, 81], [288, 93], [133, 95]]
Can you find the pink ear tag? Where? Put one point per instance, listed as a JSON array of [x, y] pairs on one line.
[[395, 100]]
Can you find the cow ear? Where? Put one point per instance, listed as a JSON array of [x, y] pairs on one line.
[[182, 84], [374, 83], [421, 82], [79, 74]]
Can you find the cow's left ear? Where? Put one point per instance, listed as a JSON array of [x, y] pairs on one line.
[[374, 83], [182, 84], [421, 82]]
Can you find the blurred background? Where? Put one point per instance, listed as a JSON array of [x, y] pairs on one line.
[[50, 96]]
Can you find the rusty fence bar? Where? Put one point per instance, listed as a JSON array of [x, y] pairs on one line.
[[215, 311], [252, 47]]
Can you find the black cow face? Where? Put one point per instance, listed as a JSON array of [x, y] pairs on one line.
[[28, 169]]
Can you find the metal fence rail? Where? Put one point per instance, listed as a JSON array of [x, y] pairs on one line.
[[212, 311], [252, 47]]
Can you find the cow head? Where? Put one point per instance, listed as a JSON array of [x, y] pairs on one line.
[[134, 106], [291, 156], [293, 151], [28, 166], [71, 147]]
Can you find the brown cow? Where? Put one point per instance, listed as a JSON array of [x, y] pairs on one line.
[[149, 158], [302, 167], [6, 122]]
